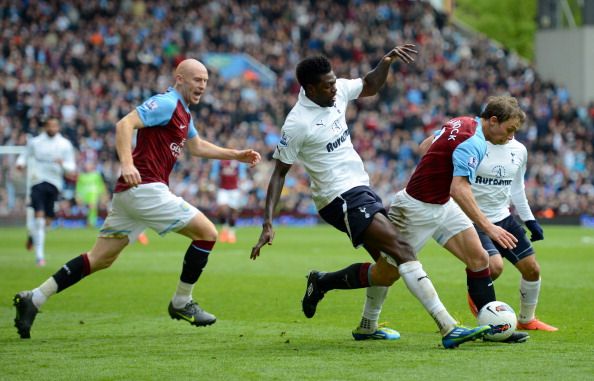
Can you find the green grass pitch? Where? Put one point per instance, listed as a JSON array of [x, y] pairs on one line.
[[114, 325]]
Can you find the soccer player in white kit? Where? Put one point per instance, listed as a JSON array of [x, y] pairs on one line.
[[142, 198], [499, 181], [315, 133], [49, 157]]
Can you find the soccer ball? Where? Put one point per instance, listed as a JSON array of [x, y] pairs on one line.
[[502, 319]]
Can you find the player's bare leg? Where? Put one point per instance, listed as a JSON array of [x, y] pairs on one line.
[[467, 247], [369, 327], [203, 234], [27, 303]]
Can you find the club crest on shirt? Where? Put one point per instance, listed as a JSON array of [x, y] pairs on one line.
[[336, 127], [498, 171], [472, 162]]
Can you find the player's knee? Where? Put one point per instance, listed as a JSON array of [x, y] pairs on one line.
[[477, 260], [206, 232], [532, 272], [403, 252], [496, 268], [212, 234]]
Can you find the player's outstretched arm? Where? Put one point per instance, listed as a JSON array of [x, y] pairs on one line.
[[202, 148], [275, 187], [375, 79], [249, 156]]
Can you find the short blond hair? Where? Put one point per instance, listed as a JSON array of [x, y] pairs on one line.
[[504, 108]]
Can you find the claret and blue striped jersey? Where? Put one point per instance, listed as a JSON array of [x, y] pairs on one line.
[[169, 124], [457, 150]]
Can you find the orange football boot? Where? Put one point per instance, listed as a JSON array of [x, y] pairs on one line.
[[231, 238], [536, 325], [224, 235], [143, 239]]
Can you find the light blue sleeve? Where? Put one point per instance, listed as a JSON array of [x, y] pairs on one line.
[[467, 157], [157, 110], [192, 129]]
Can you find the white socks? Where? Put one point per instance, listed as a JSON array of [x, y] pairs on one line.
[[529, 292], [44, 291], [30, 220], [39, 237], [420, 285], [183, 295], [373, 307]]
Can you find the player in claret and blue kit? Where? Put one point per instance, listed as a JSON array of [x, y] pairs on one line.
[[438, 200], [499, 182], [142, 198]]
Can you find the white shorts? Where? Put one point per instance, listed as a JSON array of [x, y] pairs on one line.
[[231, 197], [417, 221], [146, 205]]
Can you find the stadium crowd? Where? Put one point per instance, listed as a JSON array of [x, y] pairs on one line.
[[91, 61]]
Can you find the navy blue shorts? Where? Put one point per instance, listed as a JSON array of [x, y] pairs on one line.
[[43, 197], [523, 247], [353, 211]]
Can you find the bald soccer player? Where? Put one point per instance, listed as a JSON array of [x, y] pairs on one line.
[[142, 198]]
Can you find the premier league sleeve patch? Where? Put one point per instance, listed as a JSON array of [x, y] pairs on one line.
[[284, 141], [288, 147], [472, 162], [151, 104], [157, 110]]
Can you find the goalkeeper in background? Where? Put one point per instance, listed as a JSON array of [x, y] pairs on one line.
[[90, 189]]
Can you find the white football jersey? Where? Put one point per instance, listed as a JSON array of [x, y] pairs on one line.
[[43, 155], [319, 138], [499, 180]]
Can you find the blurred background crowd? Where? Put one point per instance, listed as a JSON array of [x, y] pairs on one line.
[[90, 62]]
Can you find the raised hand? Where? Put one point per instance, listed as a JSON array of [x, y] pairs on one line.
[[403, 52]]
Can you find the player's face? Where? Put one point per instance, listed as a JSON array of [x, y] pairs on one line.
[[324, 92], [52, 127], [193, 86], [502, 133]]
